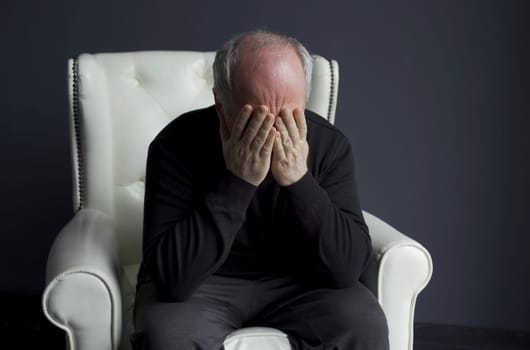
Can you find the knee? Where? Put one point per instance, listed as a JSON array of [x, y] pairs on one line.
[[166, 337], [163, 340], [157, 334], [160, 332], [360, 322], [373, 332]]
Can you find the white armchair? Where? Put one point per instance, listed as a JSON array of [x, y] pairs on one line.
[[118, 103]]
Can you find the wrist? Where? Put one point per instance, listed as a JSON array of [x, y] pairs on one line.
[[292, 180]]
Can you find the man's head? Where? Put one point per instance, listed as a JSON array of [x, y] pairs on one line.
[[261, 68]]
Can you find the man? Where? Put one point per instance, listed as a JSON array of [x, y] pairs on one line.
[[252, 217]]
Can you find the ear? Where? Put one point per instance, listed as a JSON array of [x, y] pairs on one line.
[[225, 133], [218, 106]]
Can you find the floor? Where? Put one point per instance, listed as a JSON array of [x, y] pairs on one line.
[[23, 326], [447, 337]]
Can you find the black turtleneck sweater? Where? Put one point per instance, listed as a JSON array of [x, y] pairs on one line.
[[200, 219]]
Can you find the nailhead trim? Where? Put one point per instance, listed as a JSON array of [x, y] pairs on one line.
[[77, 133], [76, 114], [331, 89]]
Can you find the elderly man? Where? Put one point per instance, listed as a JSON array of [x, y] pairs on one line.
[[252, 217]]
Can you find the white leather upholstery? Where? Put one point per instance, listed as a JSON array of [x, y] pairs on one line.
[[123, 100], [398, 271], [83, 292], [257, 338], [118, 103]]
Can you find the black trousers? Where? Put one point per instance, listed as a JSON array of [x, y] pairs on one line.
[[349, 319]]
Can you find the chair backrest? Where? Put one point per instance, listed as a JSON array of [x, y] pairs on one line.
[[120, 101]]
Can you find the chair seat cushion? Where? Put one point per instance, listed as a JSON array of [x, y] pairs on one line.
[[257, 338]]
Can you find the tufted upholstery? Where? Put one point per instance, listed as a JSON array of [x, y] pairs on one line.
[[119, 102], [123, 100]]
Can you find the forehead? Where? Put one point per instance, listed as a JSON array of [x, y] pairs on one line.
[[269, 75], [266, 60]]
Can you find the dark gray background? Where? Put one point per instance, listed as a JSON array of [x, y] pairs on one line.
[[434, 97]]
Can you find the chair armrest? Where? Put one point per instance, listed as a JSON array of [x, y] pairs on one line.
[[398, 271], [82, 295]]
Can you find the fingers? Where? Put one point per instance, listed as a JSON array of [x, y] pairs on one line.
[[269, 143], [260, 132], [278, 150], [241, 121], [290, 124], [299, 118], [283, 132], [263, 133], [258, 117]]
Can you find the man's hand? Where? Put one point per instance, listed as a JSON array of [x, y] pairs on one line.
[[247, 151], [289, 158]]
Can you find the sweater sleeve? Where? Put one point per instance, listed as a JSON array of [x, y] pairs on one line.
[[187, 235], [328, 222]]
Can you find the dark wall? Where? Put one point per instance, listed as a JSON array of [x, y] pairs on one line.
[[434, 97]]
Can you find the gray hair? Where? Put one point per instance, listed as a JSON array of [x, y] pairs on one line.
[[226, 57]]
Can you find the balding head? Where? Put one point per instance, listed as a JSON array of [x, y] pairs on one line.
[[262, 68]]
